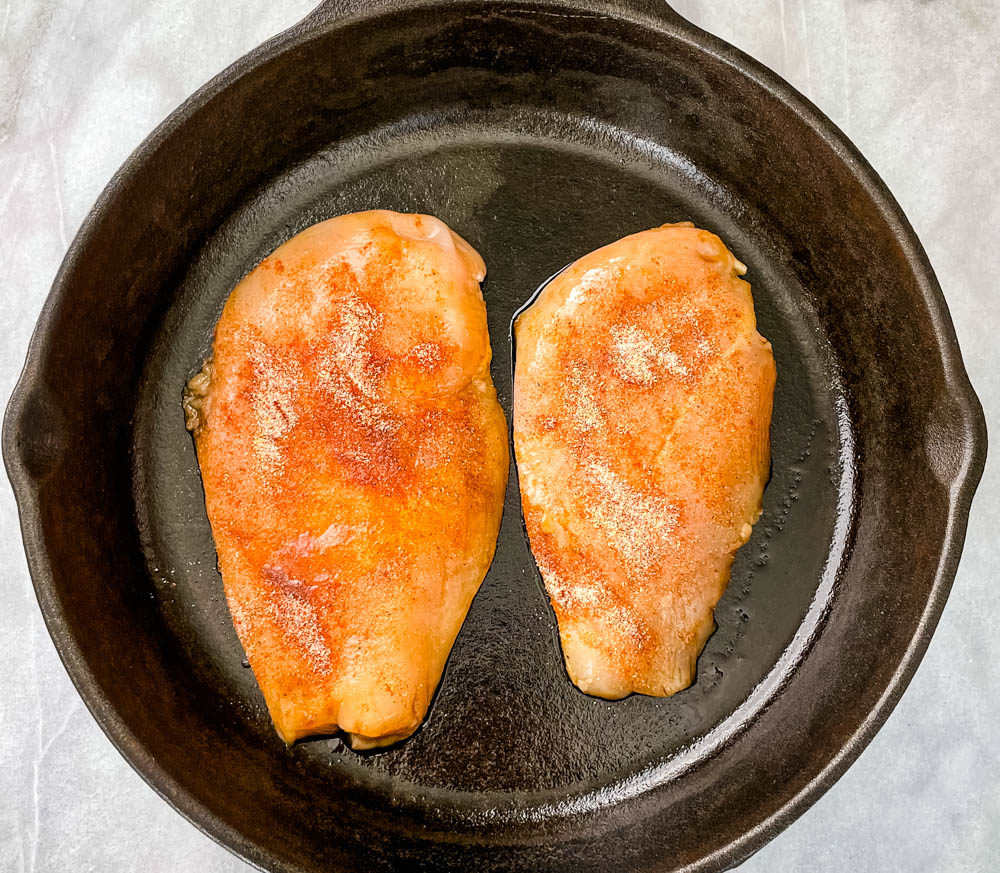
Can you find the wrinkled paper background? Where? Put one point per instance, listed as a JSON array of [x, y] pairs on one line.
[[915, 83]]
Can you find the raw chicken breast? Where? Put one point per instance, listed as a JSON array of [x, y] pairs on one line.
[[642, 406], [354, 458]]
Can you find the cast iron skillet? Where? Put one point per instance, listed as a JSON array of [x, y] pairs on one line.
[[538, 130]]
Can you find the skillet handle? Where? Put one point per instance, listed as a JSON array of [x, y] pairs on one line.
[[656, 10]]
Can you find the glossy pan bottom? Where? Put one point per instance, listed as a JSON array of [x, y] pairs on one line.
[[507, 721]]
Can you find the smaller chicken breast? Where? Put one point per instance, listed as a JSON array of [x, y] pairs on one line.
[[642, 407]]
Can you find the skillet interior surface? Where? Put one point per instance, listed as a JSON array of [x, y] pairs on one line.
[[537, 132]]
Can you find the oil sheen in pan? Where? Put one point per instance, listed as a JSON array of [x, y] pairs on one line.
[[505, 702]]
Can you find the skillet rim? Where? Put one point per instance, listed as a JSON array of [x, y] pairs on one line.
[[330, 16]]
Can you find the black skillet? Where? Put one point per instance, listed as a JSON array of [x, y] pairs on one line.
[[538, 130]]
